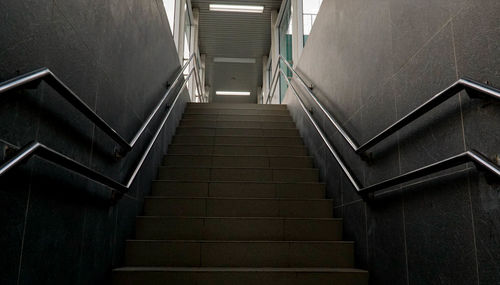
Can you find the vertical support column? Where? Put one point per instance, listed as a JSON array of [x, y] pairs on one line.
[[275, 51], [203, 59], [194, 49], [207, 91], [180, 18], [265, 80], [297, 30], [259, 94]]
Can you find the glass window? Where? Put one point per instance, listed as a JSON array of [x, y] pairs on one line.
[[310, 9], [285, 46], [187, 48], [187, 33], [187, 38], [170, 9]]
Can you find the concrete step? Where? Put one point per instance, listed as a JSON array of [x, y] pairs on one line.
[[333, 254], [237, 124], [219, 111], [215, 228], [238, 161], [196, 131], [238, 140], [221, 117], [230, 149], [241, 276], [239, 189], [236, 106], [238, 174], [237, 207]]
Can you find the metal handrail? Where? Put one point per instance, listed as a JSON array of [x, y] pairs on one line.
[[474, 88], [480, 161], [35, 77], [36, 148], [270, 93]]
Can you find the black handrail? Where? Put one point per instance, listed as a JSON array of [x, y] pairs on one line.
[[481, 161], [39, 149], [35, 77]]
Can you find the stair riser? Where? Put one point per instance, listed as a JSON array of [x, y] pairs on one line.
[[237, 124], [212, 117], [238, 174], [237, 112], [238, 161], [239, 190], [241, 278], [239, 140], [239, 254], [194, 131], [240, 229], [236, 106], [238, 208], [237, 150]]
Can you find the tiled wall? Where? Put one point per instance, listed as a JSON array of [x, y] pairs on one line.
[[372, 62], [57, 227]]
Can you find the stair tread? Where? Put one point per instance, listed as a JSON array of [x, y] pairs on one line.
[[242, 269], [232, 155], [239, 167], [197, 120], [230, 198], [251, 128], [255, 230], [232, 182], [236, 218], [242, 241], [235, 127], [238, 145], [248, 136]]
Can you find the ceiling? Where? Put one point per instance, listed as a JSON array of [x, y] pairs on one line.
[[239, 35]]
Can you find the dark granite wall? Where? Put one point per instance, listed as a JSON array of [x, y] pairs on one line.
[[57, 227], [372, 62]]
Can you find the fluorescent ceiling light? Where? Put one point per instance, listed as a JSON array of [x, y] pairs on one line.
[[233, 93], [236, 8], [234, 60]]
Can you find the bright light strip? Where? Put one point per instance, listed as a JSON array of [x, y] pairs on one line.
[[234, 60], [236, 8], [233, 93]]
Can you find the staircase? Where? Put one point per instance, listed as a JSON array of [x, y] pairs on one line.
[[238, 201]]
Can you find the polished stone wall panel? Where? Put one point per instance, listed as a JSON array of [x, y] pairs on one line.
[[117, 56], [372, 63]]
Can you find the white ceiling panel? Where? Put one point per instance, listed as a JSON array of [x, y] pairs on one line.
[[235, 35]]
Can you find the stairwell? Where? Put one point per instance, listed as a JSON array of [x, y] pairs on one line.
[[238, 201]]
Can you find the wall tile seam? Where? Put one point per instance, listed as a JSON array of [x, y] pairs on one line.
[[74, 30], [460, 102], [30, 185], [113, 243], [386, 81], [476, 260], [407, 268], [82, 244], [365, 207], [405, 186], [28, 199], [444, 175], [134, 112], [403, 212], [25, 224], [459, 11], [407, 63], [348, 204]]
